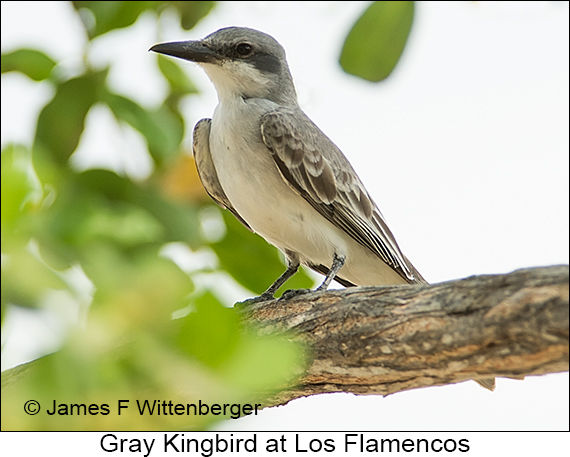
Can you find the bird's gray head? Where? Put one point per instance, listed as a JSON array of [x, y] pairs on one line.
[[241, 62]]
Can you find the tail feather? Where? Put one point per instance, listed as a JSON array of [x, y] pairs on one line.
[[487, 383]]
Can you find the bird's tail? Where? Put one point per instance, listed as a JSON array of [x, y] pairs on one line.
[[418, 278]]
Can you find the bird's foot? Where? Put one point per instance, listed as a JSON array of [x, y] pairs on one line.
[[251, 301], [290, 293]]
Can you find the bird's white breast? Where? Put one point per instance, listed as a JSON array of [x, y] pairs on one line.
[[252, 182]]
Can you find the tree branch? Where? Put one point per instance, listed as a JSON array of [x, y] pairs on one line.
[[382, 340]]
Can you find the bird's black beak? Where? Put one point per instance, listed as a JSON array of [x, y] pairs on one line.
[[194, 51]]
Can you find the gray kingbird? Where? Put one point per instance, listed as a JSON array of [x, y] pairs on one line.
[[263, 159]]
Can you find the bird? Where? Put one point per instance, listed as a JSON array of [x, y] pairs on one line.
[[263, 159]]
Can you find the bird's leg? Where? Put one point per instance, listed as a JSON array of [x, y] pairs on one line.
[[292, 268], [337, 264]]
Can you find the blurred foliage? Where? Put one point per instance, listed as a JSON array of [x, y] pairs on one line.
[[56, 219], [377, 39], [34, 64], [102, 17]]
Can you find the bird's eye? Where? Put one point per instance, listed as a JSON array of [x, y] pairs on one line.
[[244, 49]]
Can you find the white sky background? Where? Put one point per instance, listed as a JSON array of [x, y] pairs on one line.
[[465, 149]]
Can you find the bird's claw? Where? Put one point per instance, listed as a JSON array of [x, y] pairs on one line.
[[251, 301], [290, 293]]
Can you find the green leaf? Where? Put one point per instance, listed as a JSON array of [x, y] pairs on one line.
[[20, 191], [122, 224], [102, 17], [264, 363], [34, 64], [176, 77], [98, 206], [162, 129], [26, 279], [83, 216], [251, 260], [171, 124], [210, 333], [136, 286], [214, 335], [179, 222], [62, 120], [377, 39], [191, 12]]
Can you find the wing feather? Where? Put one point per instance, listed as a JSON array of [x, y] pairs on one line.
[[315, 168], [207, 171]]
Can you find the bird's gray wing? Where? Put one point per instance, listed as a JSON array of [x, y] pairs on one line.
[[314, 167], [206, 169]]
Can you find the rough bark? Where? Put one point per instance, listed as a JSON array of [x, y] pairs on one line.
[[382, 340]]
